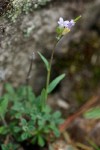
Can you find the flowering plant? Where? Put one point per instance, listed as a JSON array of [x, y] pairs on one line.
[[65, 26], [30, 119]]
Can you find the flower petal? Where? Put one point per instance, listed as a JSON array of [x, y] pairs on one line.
[[66, 23], [61, 19], [61, 22]]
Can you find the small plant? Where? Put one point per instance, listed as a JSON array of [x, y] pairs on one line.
[[25, 117], [29, 118]]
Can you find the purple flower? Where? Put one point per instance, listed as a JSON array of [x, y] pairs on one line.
[[69, 24], [66, 24], [61, 22]]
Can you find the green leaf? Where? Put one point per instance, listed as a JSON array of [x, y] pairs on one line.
[[45, 61], [4, 147], [3, 106], [11, 94], [9, 89], [93, 113], [42, 98], [2, 129], [59, 30], [9, 146], [23, 122], [55, 130], [47, 109], [55, 82], [18, 115], [25, 136], [59, 121], [57, 114], [41, 141], [17, 129], [31, 95], [24, 91], [47, 130], [18, 107], [34, 140]]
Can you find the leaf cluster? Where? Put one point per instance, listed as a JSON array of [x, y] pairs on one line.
[[25, 116]]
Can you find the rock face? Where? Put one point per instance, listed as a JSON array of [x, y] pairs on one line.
[[36, 32]]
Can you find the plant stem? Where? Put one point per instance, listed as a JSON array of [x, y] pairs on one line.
[[28, 77], [29, 71], [49, 70]]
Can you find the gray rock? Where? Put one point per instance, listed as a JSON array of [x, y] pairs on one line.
[[36, 32]]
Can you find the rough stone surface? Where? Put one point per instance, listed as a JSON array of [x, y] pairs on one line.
[[36, 32]]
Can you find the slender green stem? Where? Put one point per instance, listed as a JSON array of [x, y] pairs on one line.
[[28, 77], [29, 71], [49, 70], [47, 81], [76, 19]]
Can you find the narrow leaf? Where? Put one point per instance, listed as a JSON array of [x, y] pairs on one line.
[[44, 60], [55, 82], [3, 105], [93, 113]]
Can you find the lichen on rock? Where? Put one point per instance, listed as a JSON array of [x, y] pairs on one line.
[[17, 7]]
